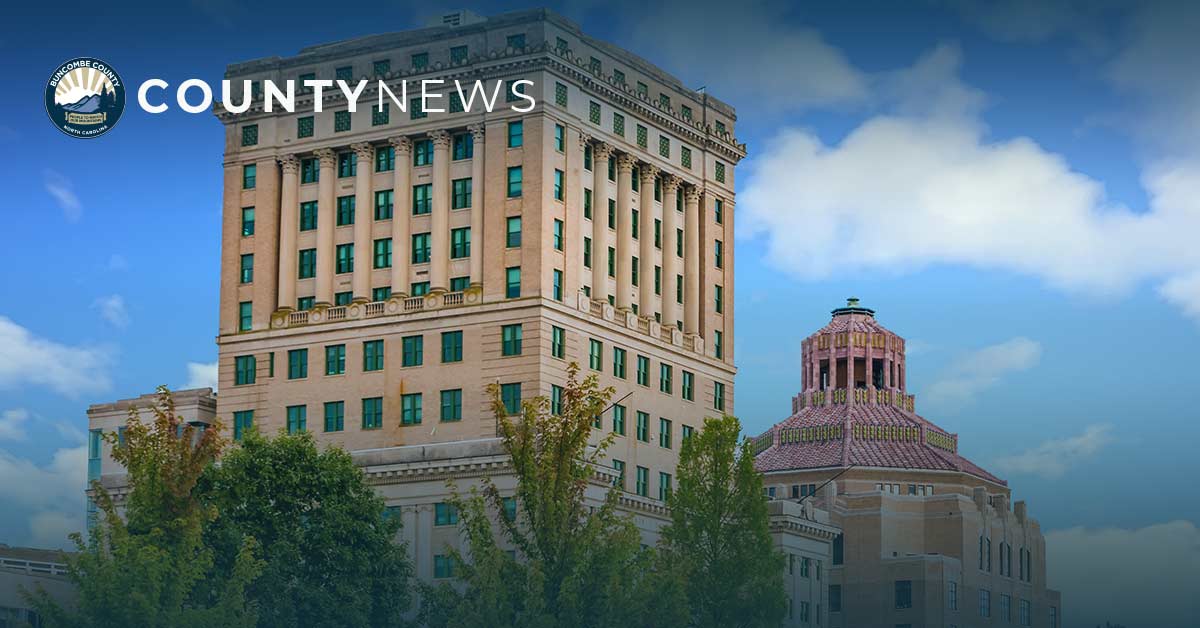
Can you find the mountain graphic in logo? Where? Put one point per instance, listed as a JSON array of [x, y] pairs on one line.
[[85, 97]]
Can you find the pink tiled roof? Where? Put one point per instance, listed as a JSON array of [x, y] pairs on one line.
[[855, 322], [848, 451]]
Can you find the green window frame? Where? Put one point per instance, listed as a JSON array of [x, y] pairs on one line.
[[245, 369], [619, 361], [247, 268], [718, 254], [344, 73], [664, 146], [381, 67], [308, 215], [460, 284], [719, 211], [720, 172], [458, 54], [643, 426], [719, 298], [243, 420], [461, 193], [335, 416], [383, 204], [618, 419], [556, 278], [556, 398], [307, 264], [510, 397], [643, 90], [643, 481], [664, 378], [249, 176], [420, 60], [245, 316], [594, 112], [687, 386], [512, 283], [415, 112], [515, 41], [558, 342], [464, 146], [445, 514], [247, 221], [444, 566], [345, 258], [718, 345], [587, 203], [719, 396], [411, 409], [345, 211], [310, 170], [685, 157], [643, 370], [422, 152], [516, 134], [385, 158], [343, 298], [341, 121], [460, 243], [335, 359], [560, 94], [419, 288], [514, 182], [382, 293], [297, 419], [420, 248], [297, 363], [595, 355], [642, 136], [451, 405], [612, 213], [372, 355], [664, 486], [304, 126], [413, 353], [380, 115], [559, 185], [612, 262], [618, 125], [372, 413], [452, 346], [304, 304], [619, 467], [512, 232], [587, 252], [422, 199], [383, 253], [664, 433], [510, 340], [560, 138]]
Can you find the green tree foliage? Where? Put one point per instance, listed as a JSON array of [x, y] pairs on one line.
[[718, 538], [151, 568], [330, 551], [577, 560]]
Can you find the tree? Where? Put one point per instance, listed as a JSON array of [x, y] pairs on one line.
[[330, 550], [576, 562], [718, 537], [151, 568]]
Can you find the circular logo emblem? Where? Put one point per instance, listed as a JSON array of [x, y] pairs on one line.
[[85, 97]]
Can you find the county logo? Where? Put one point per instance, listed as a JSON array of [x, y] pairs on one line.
[[85, 97]]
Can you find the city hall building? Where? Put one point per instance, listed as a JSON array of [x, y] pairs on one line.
[[381, 267], [928, 538]]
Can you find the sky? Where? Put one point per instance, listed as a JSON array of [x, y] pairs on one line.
[[1014, 186]]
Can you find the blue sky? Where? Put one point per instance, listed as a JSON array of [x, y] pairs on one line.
[[1011, 185]]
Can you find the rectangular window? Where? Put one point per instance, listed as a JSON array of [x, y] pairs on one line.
[[719, 211], [510, 339], [383, 205], [664, 146], [643, 90], [422, 152], [718, 345], [594, 112], [458, 54], [685, 157], [419, 288], [664, 433], [618, 124], [247, 221], [618, 77], [345, 211], [341, 122], [461, 196], [619, 467], [460, 243], [452, 346], [415, 112], [444, 566], [685, 433], [380, 115], [512, 237], [719, 396], [558, 342], [587, 252], [410, 409], [304, 126], [612, 214], [560, 94], [664, 101], [720, 172], [335, 359], [560, 140], [643, 370], [308, 263], [985, 603], [372, 413], [297, 419], [345, 258], [385, 159], [643, 481], [452, 404], [514, 182], [642, 136], [718, 254], [413, 353], [952, 595], [688, 386], [243, 420], [422, 199], [382, 67], [383, 253], [557, 286], [244, 369], [420, 60], [335, 416], [308, 215], [664, 486], [247, 268], [596, 355], [1005, 613], [510, 396], [373, 355], [310, 170], [664, 379], [643, 427], [297, 363], [516, 134], [903, 594], [464, 146], [618, 420], [420, 248], [249, 176], [558, 185], [556, 399], [512, 284], [719, 299], [304, 304], [381, 294], [245, 316], [619, 362]]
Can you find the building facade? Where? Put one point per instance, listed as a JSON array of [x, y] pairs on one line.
[[928, 538], [28, 570]]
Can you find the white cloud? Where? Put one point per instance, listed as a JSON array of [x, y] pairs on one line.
[[981, 369], [63, 191], [28, 359], [1053, 457], [112, 309], [201, 375], [1139, 577], [11, 422], [43, 503], [924, 184]]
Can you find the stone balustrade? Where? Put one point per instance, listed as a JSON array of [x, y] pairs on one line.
[[393, 306]]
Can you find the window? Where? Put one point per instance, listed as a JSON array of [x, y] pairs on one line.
[[643, 427], [835, 598], [664, 146], [419, 288], [247, 221], [612, 213], [308, 263], [558, 342], [595, 355], [510, 339], [720, 172], [410, 409], [587, 252], [380, 115], [558, 185], [245, 316], [685, 156], [464, 146], [557, 287], [297, 363], [664, 379], [247, 268], [904, 594], [452, 346], [512, 238], [335, 416], [460, 242], [643, 481], [985, 603], [335, 359], [664, 486], [1005, 613], [372, 413], [1024, 616], [461, 197], [642, 89], [297, 419], [345, 211], [249, 176], [413, 353], [385, 159], [719, 299], [415, 112], [512, 286], [619, 362], [952, 595], [988, 550], [383, 253], [556, 399], [242, 420], [718, 345], [381, 67], [341, 122], [244, 370], [687, 386], [420, 248], [516, 134], [381, 294], [510, 396], [373, 355], [719, 396], [618, 419], [560, 94], [422, 152], [458, 54], [422, 199], [718, 254], [643, 370], [514, 182], [664, 101], [308, 216], [664, 433], [1053, 617], [304, 126], [345, 258], [642, 136], [445, 514], [444, 566], [633, 272], [383, 205], [721, 128], [452, 405], [420, 60], [594, 112], [618, 124], [305, 303], [310, 170], [618, 77]]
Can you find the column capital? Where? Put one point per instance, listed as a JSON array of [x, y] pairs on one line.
[[584, 140], [328, 157], [290, 164], [402, 145], [478, 131], [648, 172], [625, 163], [671, 182], [691, 194], [441, 139], [600, 151], [364, 151]]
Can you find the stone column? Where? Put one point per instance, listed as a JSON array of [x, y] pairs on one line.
[[289, 227], [477, 189], [364, 252], [691, 263], [647, 173], [625, 245], [326, 210], [600, 244], [576, 224], [401, 211], [439, 267], [670, 262]]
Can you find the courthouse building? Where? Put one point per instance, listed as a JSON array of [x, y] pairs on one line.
[[382, 267], [929, 539]]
